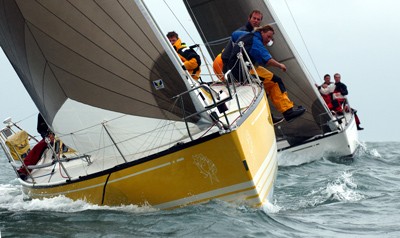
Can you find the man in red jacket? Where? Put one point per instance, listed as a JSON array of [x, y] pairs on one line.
[[36, 153]]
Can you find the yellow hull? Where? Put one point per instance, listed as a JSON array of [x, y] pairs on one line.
[[239, 165]]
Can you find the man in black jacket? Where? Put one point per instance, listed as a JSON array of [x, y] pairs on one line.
[[339, 98], [255, 18]]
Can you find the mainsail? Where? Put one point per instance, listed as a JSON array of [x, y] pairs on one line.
[[216, 27], [95, 66]]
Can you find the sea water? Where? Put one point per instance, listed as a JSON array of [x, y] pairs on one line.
[[322, 198]]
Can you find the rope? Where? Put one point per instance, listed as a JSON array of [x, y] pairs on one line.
[[219, 41], [200, 31], [180, 23], [302, 38], [28, 117]]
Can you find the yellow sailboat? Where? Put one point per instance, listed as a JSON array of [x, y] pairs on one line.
[[111, 87]]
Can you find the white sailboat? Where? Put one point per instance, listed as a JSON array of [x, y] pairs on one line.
[[138, 128], [318, 133]]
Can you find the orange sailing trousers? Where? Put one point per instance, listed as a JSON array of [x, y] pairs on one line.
[[274, 89]]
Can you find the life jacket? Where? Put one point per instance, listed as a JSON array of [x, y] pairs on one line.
[[189, 57], [227, 52], [248, 27], [235, 68]]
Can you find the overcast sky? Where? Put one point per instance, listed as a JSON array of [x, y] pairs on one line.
[[360, 40], [357, 38]]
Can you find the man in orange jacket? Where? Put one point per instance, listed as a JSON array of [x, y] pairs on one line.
[[191, 60]]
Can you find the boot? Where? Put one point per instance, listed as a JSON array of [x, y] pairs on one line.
[[22, 175], [292, 113], [276, 119]]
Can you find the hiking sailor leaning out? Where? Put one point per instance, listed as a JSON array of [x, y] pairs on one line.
[[189, 57], [254, 20], [254, 43]]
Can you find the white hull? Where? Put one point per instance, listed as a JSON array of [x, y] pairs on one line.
[[338, 144]]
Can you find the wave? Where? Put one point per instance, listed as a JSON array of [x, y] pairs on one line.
[[343, 188], [12, 199]]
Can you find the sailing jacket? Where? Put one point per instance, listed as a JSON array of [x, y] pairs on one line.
[[191, 60], [255, 48], [337, 93], [326, 94], [228, 48], [339, 96], [340, 91], [248, 27], [226, 53]]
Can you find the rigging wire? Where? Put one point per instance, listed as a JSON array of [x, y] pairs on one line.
[[27, 117], [302, 38], [201, 31], [180, 23], [207, 44]]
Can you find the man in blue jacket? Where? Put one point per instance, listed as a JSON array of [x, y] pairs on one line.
[[255, 18], [254, 43]]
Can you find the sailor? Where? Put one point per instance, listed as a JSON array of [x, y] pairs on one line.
[[191, 60], [338, 93], [35, 154], [254, 20], [326, 95], [254, 44], [339, 98]]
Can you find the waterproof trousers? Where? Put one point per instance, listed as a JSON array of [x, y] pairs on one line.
[[275, 89]]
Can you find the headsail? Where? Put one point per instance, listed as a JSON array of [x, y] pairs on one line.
[[216, 27], [103, 57]]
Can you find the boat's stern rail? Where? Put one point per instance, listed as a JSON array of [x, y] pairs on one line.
[[15, 146], [344, 115], [8, 154], [329, 122], [336, 120]]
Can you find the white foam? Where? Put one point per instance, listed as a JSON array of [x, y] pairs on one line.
[[375, 153], [344, 189], [365, 151], [271, 208], [293, 159], [12, 198]]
